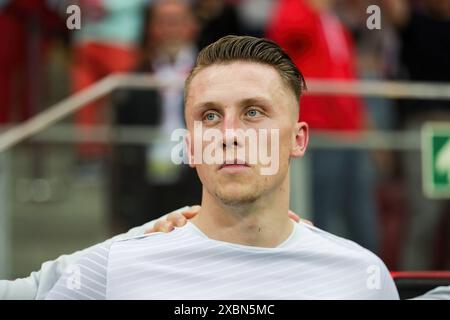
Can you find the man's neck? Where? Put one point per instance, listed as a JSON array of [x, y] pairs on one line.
[[263, 223]]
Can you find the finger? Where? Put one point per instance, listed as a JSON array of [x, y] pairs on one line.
[[307, 222], [167, 226], [293, 216], [151, 230], [157, 226], [177, 219], [163, 226], [195, 208]]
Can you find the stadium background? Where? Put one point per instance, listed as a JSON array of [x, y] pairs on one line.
[[100, 166]]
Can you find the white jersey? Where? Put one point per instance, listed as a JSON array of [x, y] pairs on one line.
[[185, 264]]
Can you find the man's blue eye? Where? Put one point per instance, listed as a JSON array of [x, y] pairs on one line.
[[210, 116], [253, 113]]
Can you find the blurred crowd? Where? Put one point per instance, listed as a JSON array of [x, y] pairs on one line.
[[373, 198]]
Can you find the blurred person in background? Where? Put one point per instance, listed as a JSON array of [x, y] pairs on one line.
[[424, 32], [29, 33], [322, 48], [144, 176], [254, 15], [26, 28], [216, 18], [376, 53], [106, 43]]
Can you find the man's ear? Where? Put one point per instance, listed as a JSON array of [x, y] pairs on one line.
[[300, 140], [189, 150]]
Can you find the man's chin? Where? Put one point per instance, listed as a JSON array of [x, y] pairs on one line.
[[236, 197]]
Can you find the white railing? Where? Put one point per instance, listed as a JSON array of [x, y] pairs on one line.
[[385, 89], [368, 139]]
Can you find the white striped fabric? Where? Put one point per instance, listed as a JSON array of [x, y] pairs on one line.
[[186, 264]]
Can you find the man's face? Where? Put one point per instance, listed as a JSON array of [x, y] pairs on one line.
[[246, 96]]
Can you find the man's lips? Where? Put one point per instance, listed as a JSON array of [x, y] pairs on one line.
[[234, 165]]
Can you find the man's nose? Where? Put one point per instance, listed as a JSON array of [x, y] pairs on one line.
[[230, 125]]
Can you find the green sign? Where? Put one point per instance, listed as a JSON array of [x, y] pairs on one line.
[[436, 159]]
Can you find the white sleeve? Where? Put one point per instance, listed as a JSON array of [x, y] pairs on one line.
[[389, 289], [84, 280], [39, 283], [439, 293]]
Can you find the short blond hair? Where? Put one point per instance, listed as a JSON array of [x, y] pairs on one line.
[[245, 48]]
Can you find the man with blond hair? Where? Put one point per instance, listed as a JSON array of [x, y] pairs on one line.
[[241, 244]]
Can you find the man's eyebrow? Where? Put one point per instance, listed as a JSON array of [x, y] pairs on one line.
[[255, 101], [244, 102], [206, 105]]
